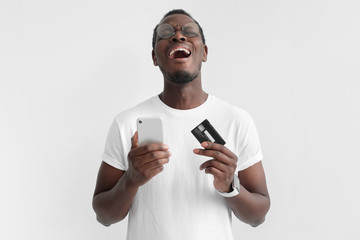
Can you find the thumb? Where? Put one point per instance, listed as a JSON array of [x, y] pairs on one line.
[[134, 140]]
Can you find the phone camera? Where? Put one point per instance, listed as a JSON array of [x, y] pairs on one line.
[[140, 121]]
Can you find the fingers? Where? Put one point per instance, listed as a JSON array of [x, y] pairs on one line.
[[214, 154], [147, 160], [215, 164], [223, 177], [214, 171], [155, 155], [148, 173], [158, 163], [143, 155], [218, 152], [145, 149], [222, 165], [134, 140], [218, 147]]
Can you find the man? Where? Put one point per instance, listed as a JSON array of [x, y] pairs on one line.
[[177, 190]]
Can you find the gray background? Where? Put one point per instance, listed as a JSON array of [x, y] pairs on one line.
[[67, 67]]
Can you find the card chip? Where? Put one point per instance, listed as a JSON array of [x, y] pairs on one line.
[[201, 127]]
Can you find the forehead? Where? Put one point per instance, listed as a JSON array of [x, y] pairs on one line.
[[177, 19]]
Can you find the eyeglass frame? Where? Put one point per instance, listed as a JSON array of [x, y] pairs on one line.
[[197, 28]]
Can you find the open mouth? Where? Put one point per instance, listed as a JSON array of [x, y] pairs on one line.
[[180, 52]]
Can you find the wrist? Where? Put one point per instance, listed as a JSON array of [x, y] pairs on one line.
[[234, 188], [129, 183]]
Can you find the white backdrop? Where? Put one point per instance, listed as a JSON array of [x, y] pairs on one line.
[[67, 67]]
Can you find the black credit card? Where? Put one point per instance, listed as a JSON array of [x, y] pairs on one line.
[[205, 132]]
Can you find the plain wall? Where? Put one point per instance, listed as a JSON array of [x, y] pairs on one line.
[[68, 67]]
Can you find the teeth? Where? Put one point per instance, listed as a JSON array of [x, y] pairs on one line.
[[179, 49]]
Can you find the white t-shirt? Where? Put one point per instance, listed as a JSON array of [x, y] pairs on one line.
[[181, 202]]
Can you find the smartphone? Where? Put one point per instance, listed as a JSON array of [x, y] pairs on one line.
[[150, 130]]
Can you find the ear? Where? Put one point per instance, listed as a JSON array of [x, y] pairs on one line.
[[154, 58], [205, 53]]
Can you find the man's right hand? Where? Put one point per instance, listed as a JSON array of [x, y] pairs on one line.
[[145, 161]]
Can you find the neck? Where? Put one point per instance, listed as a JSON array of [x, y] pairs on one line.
[[183, 96]]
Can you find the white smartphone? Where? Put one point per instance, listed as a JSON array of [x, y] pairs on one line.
[[150, 130]]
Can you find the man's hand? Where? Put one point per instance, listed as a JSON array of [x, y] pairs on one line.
[[145, 161], [222, 166]]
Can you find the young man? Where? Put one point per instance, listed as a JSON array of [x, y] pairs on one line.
[[176, 190]]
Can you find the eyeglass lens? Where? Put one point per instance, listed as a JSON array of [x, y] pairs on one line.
[[166, 30]]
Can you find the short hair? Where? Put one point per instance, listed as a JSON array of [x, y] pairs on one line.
[[177, 11]]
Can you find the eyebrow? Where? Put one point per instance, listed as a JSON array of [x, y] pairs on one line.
[[177, 24]]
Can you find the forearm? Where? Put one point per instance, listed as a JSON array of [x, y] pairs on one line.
[[112, 206], [249, 207]]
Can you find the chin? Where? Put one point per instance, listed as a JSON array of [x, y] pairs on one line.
[[181, 77]]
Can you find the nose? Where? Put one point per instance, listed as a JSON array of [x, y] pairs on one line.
[[178, 37]]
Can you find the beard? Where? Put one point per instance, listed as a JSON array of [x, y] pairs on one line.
[[180, 77]]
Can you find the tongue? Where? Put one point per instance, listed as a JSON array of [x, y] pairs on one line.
[[180, 54]]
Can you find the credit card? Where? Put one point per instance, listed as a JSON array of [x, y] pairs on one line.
[[206, 132]]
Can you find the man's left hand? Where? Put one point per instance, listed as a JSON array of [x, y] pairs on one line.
[[222, 166]]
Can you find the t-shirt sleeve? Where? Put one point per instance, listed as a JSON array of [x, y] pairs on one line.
[[250, 149], [114, 152]]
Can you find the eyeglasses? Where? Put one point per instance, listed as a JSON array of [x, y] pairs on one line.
[[166, 31]]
